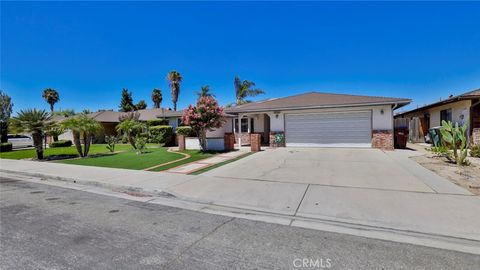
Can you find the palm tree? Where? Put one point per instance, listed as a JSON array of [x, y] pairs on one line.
[[175, 79], [35, 122], [130, 126], [157, 98], [51, 96], [84, 127], [205, 92], [244, 89]]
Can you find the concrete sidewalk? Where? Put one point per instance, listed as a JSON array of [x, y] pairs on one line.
[[448, 221]]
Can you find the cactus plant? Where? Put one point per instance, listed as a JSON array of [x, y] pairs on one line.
[[455, 136]]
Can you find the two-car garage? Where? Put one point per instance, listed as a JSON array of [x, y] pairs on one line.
[[329, 129]]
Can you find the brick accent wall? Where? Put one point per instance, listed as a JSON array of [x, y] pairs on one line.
[[245, 138], [382, 139], [476, 136], [229, 139], [255, 141], [181, 142], [272, 139]]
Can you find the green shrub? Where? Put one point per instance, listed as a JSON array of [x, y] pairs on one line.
[[185, 131], [475, 151], [140, 144], [61, 143], [6, 147], [161, 134], [157, 122]]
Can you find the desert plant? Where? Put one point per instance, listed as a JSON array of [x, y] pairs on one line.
[[205, 116], [455, 137], [161, 134], [185, 131], [475, 151], [6, 147], [51, 96], [5, 112], [61, 143], [35, 122], [140, 143], [174, 79], [83, 127], [111, 142]]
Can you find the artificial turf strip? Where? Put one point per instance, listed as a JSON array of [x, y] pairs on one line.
[[220, 164], [129, 159], [195, 155], [61, 151]]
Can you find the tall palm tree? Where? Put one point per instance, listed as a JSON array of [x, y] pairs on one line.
[[51, 96], [175, 79], [82, 127], [35, 122], [244, 89], [157, 98], [205, 92]]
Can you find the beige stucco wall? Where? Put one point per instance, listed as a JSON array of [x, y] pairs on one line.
[[458, 108]]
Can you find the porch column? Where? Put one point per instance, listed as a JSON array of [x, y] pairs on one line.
[[249, 128], [239, 129]]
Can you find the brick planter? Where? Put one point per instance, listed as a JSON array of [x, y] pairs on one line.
[[382, 139], [229, 139], [255, 142], [272, 139], [181, 142]]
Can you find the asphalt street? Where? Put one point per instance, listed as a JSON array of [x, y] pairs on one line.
[[47, 227]]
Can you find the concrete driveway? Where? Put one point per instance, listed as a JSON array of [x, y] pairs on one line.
[[360, 168], [369, 187]]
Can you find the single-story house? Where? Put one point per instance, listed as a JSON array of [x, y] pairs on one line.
[[318, 120], [306, 120], [464, 108], [109, 119]]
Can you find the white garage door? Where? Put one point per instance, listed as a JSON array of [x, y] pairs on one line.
[[334, 129]]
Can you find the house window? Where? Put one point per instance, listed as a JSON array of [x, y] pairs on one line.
[[244, 125], [179, 122], [446, 115]]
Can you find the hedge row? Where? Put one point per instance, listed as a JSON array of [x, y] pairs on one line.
[[61, 143], [6, 147]]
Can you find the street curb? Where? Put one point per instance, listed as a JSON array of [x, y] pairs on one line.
[[167, 198]]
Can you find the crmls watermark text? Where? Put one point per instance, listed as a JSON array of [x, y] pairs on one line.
[[319, 263]]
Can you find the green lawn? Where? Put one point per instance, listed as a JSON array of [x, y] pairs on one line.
[[128, 160], [194, 156], [61, 151]]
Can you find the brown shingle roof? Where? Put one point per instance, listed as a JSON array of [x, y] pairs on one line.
[[147, 114], [316, 100], [468, 95]]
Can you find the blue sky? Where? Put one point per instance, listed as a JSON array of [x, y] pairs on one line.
[[89, 51]]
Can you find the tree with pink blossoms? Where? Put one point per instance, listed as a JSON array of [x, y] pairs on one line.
[[207, 115]]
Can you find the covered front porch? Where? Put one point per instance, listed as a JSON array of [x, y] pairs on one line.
[[245, 124]]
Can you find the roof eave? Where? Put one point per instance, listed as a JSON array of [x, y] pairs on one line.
[[401, 103]]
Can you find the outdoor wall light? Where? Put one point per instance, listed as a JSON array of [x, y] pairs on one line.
[[276, 113], [381, 111]]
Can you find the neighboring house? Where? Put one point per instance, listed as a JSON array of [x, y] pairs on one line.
[[464, 108], [318, 120], [110, 119]]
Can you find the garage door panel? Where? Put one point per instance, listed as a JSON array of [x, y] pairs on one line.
[[323, 129]]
